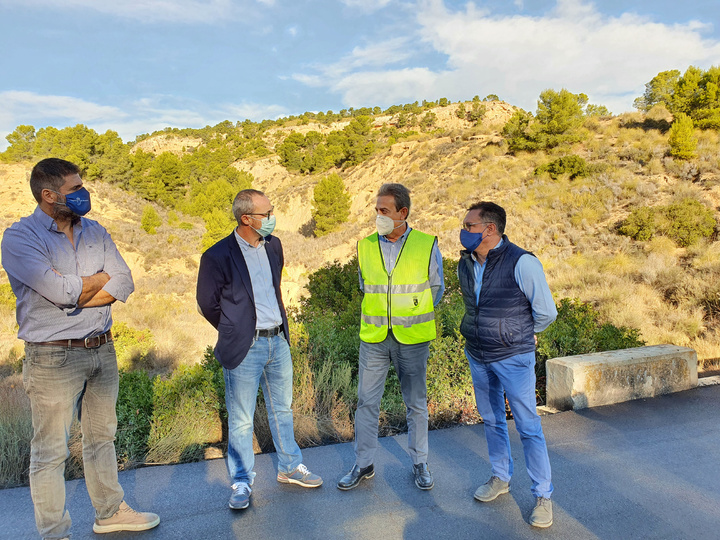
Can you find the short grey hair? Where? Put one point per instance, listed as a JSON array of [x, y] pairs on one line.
[[399, 193], [243, 203]]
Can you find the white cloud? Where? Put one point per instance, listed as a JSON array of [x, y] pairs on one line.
[[141, 116], [375, 55], [253, 111], [179, 11], [19, 104], [574, 46], [371, 88]]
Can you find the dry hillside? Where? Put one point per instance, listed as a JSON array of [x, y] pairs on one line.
[[664, 290]]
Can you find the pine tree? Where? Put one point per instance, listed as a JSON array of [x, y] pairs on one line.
[[331, 204], [682, 139], [150, 220]]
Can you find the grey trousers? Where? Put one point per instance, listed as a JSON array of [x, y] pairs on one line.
[[410, 363]]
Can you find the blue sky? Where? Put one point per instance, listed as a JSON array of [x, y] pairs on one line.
[[135, 66]]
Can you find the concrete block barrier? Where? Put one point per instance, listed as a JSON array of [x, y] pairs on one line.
[[590, 380]]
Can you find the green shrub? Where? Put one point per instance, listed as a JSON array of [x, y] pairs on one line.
[[451, 397], [335, 293], [687, 221], [186, 415], [210, 364], [640, 224], [682, 141], [579, 330], [132, 346], [573, 166], [150, 220], [134, 413], [449, 312], [7, 297]]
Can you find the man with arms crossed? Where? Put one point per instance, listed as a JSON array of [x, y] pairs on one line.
[[401, 275], [507, 301], [66, 272], [238, 292]]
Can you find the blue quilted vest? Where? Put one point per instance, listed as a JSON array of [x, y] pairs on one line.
[[500, 325]]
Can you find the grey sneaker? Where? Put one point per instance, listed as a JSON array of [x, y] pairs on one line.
[[542, 513], [240, 497], [126, 519], [490, 490], [300, 476]]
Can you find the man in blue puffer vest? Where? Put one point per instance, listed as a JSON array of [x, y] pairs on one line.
[[507, 301]]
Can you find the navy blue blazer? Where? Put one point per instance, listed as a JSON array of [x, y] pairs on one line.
[[225, 296]]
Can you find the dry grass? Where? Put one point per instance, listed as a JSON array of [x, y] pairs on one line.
[[15, 432]]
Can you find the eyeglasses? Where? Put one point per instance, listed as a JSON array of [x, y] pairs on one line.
[[265, 214], [467, 225]]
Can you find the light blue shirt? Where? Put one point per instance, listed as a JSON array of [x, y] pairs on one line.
[[391, 250], [530, 277], [267, 309], [45, 272]]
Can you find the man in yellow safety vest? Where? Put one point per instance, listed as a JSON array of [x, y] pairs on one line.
[[401, 275]]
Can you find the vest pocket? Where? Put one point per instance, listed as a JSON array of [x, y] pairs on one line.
[[509, 332]]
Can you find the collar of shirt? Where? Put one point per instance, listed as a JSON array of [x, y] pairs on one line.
[[474, 257], [402, 237], [48, 222], [245, 245]]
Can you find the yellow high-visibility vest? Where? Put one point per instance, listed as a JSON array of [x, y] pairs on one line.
[[401, 301]]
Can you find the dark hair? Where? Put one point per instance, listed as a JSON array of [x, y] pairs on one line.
[[399, 193], [50, 174], [491, 213], [243, 203]]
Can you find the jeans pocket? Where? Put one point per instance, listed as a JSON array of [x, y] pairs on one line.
[[50, 357]]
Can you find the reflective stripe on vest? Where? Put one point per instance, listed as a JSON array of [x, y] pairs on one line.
[[403, 300]]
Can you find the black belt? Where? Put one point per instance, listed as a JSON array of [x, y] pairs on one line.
[[87, 343], [268, 332]]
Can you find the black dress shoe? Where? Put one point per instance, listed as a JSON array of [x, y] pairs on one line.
[[423, 478], [352, 479]]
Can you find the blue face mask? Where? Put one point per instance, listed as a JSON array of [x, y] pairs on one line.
[[78, 202], [267, 227], [470, 240]]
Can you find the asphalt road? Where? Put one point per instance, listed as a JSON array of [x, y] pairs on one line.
[[642, 469]]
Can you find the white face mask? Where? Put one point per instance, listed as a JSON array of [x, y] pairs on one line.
[[385, 225]]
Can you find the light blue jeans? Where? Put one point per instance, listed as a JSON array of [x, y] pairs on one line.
[[410, 363], [61, 381], [516, 375], [268, 364]]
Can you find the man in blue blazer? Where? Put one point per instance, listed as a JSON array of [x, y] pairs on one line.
[[238, 292]]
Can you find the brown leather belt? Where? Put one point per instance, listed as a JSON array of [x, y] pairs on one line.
[[88, 343]]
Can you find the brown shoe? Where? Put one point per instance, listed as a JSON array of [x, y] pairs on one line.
[[126, 519]]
